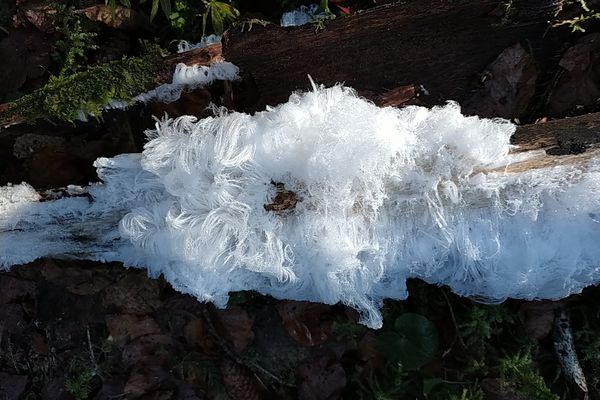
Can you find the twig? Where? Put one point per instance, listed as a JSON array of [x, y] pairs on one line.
[[458, 336]]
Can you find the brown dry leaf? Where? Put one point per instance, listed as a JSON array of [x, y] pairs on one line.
[[159, 395], [579, 83], [75, 278], [508, 86], [322, 379], [12, 288], [236, 326], [38, 13], [239, 383], [12, 386], [118, 18], [12, 320], [57, 166], [187, 392], [400, 96], [39, 344], [194, 102], [144, 379], [196, 334], [134, 294], [126, 327], [308, 323], [148, 349], [538, 318], [367, 348], [29, 53], [112, 388]]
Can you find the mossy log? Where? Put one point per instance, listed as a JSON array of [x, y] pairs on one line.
[[90, 90]]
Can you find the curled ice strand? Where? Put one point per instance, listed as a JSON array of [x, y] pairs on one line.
[[328, 198]]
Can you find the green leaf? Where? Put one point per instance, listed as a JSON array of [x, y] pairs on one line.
[[220, 13], [430, 384], [166, 7], [413, 342], [154, 9]]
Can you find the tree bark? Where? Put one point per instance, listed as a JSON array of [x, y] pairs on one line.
[[438, 44]]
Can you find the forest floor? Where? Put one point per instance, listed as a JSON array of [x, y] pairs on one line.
[[85, 330]]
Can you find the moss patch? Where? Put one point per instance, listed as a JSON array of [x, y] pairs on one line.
[[90, 90]]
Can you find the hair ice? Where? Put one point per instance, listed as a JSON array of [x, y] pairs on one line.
[[384, 195]]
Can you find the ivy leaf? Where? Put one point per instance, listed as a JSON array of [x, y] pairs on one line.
[[412, 343]]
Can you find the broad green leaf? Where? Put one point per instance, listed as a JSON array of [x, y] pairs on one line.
[[154, 9], [166, 7], [413, 342], [430, 384]]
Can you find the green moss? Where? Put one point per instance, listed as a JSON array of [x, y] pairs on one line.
[[90, 90], [518, 373]]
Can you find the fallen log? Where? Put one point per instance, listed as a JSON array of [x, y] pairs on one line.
[[136, 75], [329, 198], [438, 44], [561, 136]]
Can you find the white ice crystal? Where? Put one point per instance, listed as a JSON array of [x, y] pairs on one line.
[[188, 78], [205, 41], [385, 194], [302, 16]]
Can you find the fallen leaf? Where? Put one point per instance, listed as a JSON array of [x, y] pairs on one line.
[[194, 102], [144, 379], [508, 85], [39, 13], [112, 388], [236, 326], [579, 82], [187, 392], [134, 294], [12, 320], [148, 349], [538, 318], [12, 289], [75, 278], [126, 327], [29, 53], [239, 383], [117, 17], [308, 323], [196, 334], [56, 166], [321, 379], [12, 386], [27, 144], [401, 96], [39, 344]]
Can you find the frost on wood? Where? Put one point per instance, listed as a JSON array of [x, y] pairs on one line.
[[382, 195], [188, 78], [205, 41], [302, 16]]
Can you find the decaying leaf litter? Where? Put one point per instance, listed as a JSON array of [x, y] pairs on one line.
[[85, 330]]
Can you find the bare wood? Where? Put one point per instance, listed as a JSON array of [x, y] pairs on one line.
[[562, 136], [441, 45]]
